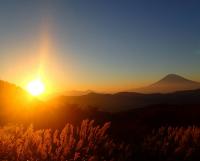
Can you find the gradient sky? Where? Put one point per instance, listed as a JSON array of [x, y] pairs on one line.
[[102, 45]]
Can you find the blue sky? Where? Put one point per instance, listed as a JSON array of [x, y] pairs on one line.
[[102, 45]]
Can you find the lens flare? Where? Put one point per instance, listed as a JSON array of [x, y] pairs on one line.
[[36, 87]]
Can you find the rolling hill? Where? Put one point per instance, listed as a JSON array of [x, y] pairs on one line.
[[172, 89], [129, 100]]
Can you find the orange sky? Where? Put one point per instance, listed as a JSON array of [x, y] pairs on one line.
[[74, 48]]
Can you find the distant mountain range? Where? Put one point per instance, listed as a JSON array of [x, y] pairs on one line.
[[168, 84], [16, 105], [161, 92], [129, 100], [77, 92]]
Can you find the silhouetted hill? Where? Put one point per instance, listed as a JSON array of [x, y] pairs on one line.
[[129, 100], [77, 93], [170, 83], [16, 103], [11, 95]]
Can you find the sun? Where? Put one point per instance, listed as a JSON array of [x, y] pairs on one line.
[[36, 87]]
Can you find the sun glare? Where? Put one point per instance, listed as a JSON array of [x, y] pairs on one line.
[[36, 87]]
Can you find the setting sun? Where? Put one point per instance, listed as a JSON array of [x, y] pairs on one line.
[[36, 87]]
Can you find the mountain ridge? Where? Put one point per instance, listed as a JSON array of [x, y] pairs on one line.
[[123, 101]]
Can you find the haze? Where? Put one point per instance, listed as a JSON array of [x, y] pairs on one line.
[[98, 45]]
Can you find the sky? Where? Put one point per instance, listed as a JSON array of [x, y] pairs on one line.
[[104, 45]]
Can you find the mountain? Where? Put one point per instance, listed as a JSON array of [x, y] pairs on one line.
[[11, 94], [129, 100], [170, 83], [16, 103]]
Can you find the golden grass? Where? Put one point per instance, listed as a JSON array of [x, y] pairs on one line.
[[84, 143], [173, 143]]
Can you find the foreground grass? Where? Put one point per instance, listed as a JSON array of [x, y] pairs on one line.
[[90, 142], [172, 144], [84, 143]]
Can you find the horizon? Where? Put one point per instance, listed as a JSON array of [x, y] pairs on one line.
[[100, 46], [48, 95]]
